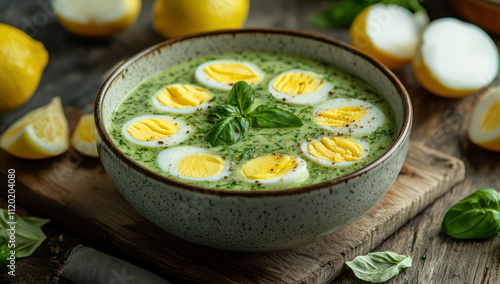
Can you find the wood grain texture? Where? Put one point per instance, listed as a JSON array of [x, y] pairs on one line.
[[75, 191]]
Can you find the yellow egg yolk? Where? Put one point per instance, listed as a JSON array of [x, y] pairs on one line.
[[200, 166], [491, 119], [341, 117], [267, 167], [296, 83], [231, 72], [152, 129], [182, 96], [336, 149]]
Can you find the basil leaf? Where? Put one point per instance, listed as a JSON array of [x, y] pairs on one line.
[[241, 96], [273, 117], [225, 110], [379, 267], [226, 131], [29, 234], [475, 217], [245, 123]]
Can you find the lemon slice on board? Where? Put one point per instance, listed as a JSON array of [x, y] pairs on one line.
[[83, 139], [96, 18], [390, 33], [41, 133], [484, 127], [455, 58]]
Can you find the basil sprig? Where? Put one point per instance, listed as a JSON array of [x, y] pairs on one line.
[[475, 217], [379, 267], [236, 117]]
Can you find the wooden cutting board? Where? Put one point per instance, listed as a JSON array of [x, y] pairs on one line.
[[74, 191]]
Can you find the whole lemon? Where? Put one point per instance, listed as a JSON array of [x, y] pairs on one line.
[[173, 18], [22, 61]]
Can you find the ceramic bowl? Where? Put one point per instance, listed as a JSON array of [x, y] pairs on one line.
[[254, 220]]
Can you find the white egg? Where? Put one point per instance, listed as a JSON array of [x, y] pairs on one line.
[[174, 139], [287, 178], [203, 78], [325, 163], [371, 121], [186, 110], [169, 160], [310, 98]]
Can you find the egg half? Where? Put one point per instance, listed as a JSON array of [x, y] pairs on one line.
[[182, 99], [349, 116], [193, 163], [336, 152], [300, 86], [275, 170], [156, 130], [484, 127], [223, 74]]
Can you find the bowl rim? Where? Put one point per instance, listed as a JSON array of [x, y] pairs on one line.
[[403, 134]]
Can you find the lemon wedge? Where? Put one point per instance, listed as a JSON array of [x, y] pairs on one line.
[[96, 18], [390, 33], [484, 127], [455, 58], [83, 139], [41, 133]]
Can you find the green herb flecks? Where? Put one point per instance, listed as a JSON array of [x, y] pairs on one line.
[[475, 217], [379, 267], [341, 13], [236, 117]]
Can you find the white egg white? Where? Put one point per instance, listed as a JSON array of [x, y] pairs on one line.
[[168, 160], [303, 99], [174, 139], [292, 176], [477, 134], [328, 164], [165, 108], [373, 119], [206, 80]]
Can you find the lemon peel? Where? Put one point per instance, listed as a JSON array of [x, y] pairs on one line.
[[83, 138]]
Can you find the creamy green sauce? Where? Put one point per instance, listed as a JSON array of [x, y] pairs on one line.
[[258, 141]]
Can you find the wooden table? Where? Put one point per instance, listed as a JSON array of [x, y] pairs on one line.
[[76, 69]]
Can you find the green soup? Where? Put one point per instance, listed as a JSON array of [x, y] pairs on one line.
[[258, 141]]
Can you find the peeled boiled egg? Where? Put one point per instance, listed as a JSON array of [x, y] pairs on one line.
[[156, 130], [349, 116], [179, 98], [388, 32], [275, 170], [300, 86], [455, 58], [193, 163], [484, 127], [223, 74], [336, 152]]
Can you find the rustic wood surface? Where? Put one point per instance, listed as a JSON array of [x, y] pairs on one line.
[[75, 71], [74, 191]]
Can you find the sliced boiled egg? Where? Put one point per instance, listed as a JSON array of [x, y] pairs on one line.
[[336, 152], [484, 127], [390, 33], [300, 86], [193, 163], [223, 74], [455, 58], [156, 130], [349, 116], [275, 170], [179, 98]]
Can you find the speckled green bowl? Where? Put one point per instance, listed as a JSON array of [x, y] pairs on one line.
[[255, 220]]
